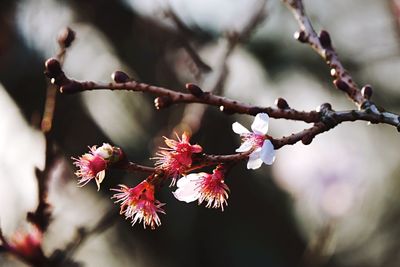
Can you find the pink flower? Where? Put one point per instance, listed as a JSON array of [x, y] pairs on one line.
[[177, 157], [263, 150], [210, 188], [139, 204], [92, 165], [27, 245]]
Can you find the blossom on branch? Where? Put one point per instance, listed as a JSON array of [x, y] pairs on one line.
[[257, 141], [176, 159], [27, 244], [210, 188], [139, 204], [93, 165]]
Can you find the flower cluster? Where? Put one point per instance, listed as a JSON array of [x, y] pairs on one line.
[[210, 188], [176, 159], [93, 165], [174, 162], [256, 141], [139, 204]]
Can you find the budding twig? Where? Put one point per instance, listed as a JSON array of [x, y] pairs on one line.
[[322, 44]]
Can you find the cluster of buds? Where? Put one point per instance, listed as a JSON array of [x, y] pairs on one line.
[[173, 163]]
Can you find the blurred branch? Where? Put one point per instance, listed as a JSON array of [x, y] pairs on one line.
[[82, 234], [41, 217], [184, 34], [316, 252], [192, 116]]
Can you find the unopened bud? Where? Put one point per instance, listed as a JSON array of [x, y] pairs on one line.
[[194, 90], [120, 77], [53, 68], [162, 102], [300, 36], [306, 140], [341, 85], [325, 39], [71, 87], [281, 103], [366, 91], [323, 107], [66, 37]]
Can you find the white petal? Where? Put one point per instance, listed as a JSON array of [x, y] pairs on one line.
[[260, 123], [267, 152], [255, 161], [189, 178], [246, 146], [188, 193], [188, 189], [239, 129], [99, 178]]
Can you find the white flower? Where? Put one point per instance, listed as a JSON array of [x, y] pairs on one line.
[[263, 148], [204, 187]]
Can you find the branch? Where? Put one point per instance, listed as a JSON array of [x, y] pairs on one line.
[[322, 44]]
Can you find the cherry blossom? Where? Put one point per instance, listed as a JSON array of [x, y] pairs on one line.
[[139, 204], [257, 141], [27, 244], [92, 165], [177, 157], [210, 188]]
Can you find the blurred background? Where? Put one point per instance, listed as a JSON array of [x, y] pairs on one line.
[[332, 203]]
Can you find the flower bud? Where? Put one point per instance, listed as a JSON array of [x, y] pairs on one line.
[[162, 102], [194, 90], [281, 103], [120, 77], [300, 36], [66, 37], [71, 87], [341, 85], [306, 140], [366, 91], [325, 39], [53, 68], [323, 107]]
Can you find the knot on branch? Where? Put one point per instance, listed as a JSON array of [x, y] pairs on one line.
[[57, 76], [328, 116]]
